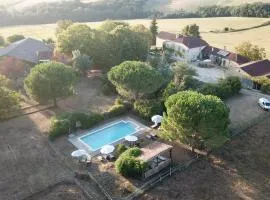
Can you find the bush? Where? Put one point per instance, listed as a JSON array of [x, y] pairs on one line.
[[128, 165], [134, 152], [224, 89], [82, 63], [147, 108], [265, 88], [116, 110], [58, 127], [265, 84], [169, 90], [107, 87], [15, 38], [66, 122], [120, 148]]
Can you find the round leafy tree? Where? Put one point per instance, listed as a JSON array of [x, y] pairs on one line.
[[195, 119], [49, 81], [134, 79]]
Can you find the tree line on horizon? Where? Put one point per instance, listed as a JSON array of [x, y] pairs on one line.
[[114, 9]]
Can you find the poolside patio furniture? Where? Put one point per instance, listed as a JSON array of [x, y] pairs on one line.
[[155, 126], [79, 153], [107, 149], [157, 119], [152, 136], [152, 155], [86, 160], [131, 139]]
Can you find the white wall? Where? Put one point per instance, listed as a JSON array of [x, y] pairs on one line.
[[187, 54], [159, 42]]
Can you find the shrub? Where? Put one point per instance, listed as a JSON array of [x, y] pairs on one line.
[[226, 29], [224, 89], [107, 87], [265, 84], [120, 148], [82, 63], [128, 165], [265, 88], [134, 152], [116, 110], [147, 108], [58, 127], [66, 122], [169, 90], [15, 38]]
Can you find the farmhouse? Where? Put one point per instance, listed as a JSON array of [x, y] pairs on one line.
[[29, 50], [222, 57], [181, 47]]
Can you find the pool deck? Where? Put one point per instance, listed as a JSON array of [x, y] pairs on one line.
[[74, 138]]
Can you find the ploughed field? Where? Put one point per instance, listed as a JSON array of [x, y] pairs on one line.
[[258, 36]]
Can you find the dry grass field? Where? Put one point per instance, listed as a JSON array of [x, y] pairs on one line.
[[259, 36], [239, 172]]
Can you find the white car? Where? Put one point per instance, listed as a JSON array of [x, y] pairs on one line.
[[264, 103]]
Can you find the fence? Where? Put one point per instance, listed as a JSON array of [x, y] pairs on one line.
[[158, 178]]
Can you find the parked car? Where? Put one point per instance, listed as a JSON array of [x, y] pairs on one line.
[[264, 103]]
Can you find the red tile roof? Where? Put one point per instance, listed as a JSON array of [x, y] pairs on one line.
[[231, 56], [188, 41], [238, 58], [257, 68]]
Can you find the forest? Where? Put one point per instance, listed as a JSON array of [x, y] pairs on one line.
[[119, 9]]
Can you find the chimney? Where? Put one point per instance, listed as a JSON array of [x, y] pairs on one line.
[[212, 49], [225, 48]]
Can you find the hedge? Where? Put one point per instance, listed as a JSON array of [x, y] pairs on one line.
[[66, 122], [224, 89], [147, 108], [116, 110], [120, 148], [128, 165]]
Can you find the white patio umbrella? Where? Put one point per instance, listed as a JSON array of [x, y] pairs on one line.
[[79, 153], [131, 138], [156, 119], [107, 149]]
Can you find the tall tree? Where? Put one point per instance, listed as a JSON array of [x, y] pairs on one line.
[[195, 119], [134, 79], [154, 30], [253, 52], [191, 30], [76, 37], [48, 81], [62, 25]]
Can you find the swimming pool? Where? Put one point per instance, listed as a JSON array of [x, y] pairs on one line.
[[109, 134]]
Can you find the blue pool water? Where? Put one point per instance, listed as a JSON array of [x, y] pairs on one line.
[[109, 134]]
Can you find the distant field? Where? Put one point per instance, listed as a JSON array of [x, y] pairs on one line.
[[259, 36]]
